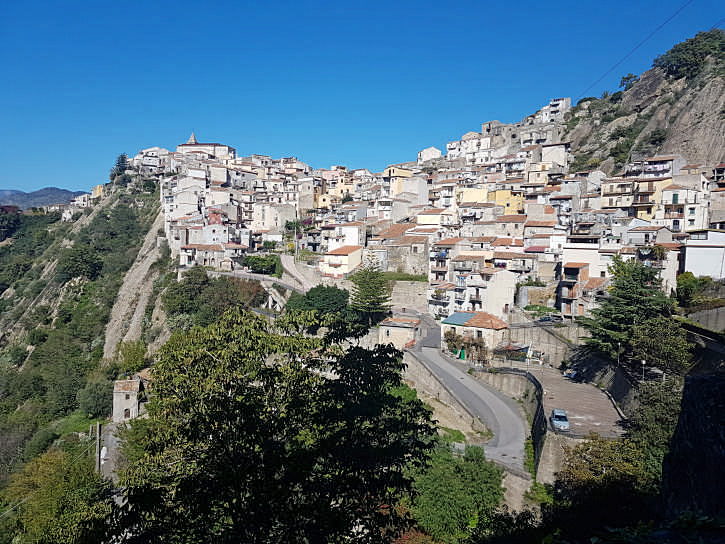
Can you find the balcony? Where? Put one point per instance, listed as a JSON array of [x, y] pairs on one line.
[[462, 266], [438, 268], [674, 216], [460, 297], [570, 277]]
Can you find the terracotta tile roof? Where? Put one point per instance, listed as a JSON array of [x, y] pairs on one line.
[[204, 247], [448, 242], [540, 224], [646, 229], [515, 242], [408, 240], [594, 283], [670, 245], [445, 286], [674, 187], [344, 250], [406, 322], [511, 218], [511, 255], [484, 320], [483, 239], [396, 230], [129, 386], [536, 249], [575, 265], [434, 211]]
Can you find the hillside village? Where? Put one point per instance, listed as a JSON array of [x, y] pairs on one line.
[[499, 208]]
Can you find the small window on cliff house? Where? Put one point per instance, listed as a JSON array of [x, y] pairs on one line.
[[126, 413]]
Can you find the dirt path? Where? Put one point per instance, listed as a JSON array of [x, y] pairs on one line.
[[127, 314]]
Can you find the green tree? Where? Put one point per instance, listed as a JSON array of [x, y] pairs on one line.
[[247, 441], [80, 260], [131, 355], [371, 294], [120, 167], [96, 398], [323, 298], [634, 298], [653, 423], [628, 80], [60, 500], [662, 343], [687, 59], [456, 492]]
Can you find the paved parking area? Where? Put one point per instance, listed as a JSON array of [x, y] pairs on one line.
[[587, 407]]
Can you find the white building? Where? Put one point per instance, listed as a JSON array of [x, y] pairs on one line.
[[704, 254]]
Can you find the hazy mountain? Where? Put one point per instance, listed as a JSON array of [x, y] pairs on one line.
[[41, 197]]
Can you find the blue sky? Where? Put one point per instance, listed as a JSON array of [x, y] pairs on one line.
[[362, 84]]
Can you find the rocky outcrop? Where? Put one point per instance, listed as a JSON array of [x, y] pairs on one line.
[[687, 115]]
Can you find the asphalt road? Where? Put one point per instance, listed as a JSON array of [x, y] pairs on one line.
[[500, 413]]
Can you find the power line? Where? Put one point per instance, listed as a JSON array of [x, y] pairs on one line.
[[640, 44], [34, 492]]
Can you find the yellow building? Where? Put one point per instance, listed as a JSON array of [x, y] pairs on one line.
[[512, 200], [648, 195], [471, 194], [97, 191], [341, 262]]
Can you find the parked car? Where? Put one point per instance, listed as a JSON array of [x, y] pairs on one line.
[[551, 319], [559, 421]]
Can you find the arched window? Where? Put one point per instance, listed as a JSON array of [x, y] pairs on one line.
[[126, 413]]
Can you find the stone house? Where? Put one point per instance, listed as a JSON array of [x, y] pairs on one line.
[[403, 332], [127, 399]]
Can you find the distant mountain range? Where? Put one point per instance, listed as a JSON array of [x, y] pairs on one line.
[[39, 198]]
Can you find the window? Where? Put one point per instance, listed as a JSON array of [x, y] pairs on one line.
[[128, 396], [691, 222], [692, 211], [126, 413], [387, 333]]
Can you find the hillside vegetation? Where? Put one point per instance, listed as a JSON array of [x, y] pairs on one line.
[[59, 281], [676, 107]]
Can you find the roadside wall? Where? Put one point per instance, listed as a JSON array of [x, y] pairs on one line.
[[710, 319], [410, 294], [418, 375], [554, 342], [524, 387]]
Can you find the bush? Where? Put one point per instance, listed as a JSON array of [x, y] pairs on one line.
[[37, 337], [40, 442], [96, 398]]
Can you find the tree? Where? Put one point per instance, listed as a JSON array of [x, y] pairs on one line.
[[601, 482], [371, 293], [80, 260], [248, 440], [96, 398], [687, 59], [62, 500], [628, 81], [120, 167], [662, 342], [653, 423], [634, 297], [455, 492]]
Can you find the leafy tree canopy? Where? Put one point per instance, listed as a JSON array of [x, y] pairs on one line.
[[687, 59], [662, 343], [63, 501], [247, 441], [634, 298], [80, 260], [455, 492]]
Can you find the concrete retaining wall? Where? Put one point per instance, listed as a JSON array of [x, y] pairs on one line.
[[554, 342], [424, 380]]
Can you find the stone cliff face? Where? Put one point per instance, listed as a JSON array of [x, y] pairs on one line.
[[656, 115]]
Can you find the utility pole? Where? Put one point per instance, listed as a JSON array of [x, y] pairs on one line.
[[98, 446]]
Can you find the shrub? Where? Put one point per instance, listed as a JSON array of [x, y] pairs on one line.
[[40, 442], [96, 398]]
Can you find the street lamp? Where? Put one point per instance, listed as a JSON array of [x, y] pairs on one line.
[[643, 363]]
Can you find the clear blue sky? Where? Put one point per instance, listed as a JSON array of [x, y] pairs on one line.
[[362, 84]]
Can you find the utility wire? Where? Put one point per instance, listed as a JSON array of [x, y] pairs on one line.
[[640, 44], [34, 492]]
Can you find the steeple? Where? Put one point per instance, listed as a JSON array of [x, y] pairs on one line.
[[192, 139]]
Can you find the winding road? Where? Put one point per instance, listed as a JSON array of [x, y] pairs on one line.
[[500, 414]]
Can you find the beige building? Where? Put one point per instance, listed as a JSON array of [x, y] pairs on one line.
[[403, 332], [126, 399], [341, 262]]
